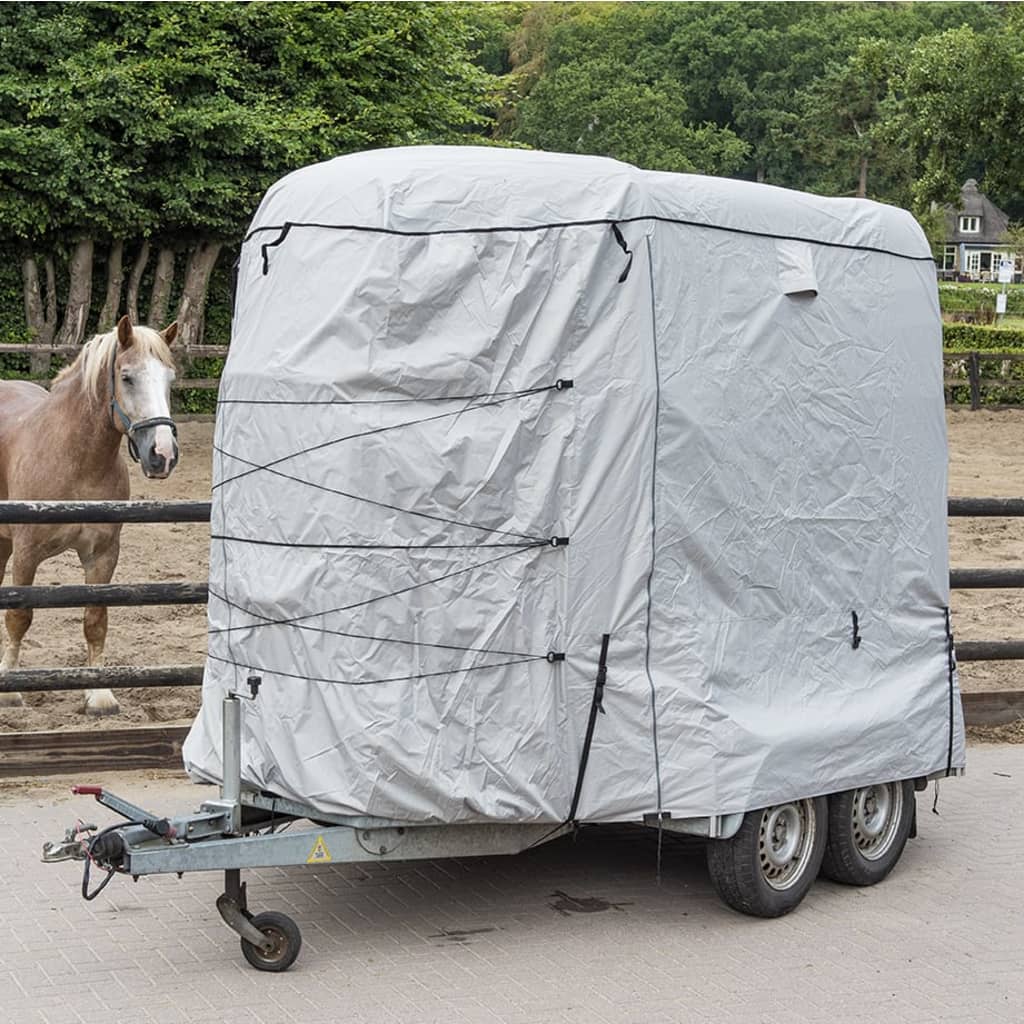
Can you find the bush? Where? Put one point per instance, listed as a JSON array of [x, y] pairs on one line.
[[191, 400], [971, 337]]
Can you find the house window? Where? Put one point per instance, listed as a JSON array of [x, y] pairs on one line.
[[949, 257], [970, 225]]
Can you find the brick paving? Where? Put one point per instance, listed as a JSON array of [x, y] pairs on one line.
[[503, 940]]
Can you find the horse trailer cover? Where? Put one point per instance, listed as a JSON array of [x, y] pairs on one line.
[[548, 488]]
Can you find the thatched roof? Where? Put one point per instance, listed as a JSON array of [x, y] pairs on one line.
[[973, 203]]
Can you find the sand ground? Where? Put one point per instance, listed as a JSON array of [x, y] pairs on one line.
[[986, 460]]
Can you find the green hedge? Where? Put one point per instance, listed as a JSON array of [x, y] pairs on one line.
[[970, 337]]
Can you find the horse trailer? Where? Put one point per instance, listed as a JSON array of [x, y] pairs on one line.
[[552, 491]]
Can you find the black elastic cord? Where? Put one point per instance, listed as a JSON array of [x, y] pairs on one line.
[[596, 705], [373, 501], [595, 222], [369, 600], [559, 385], [292, 545], [268, 621], [374, 682], [380, 430], [951, 663], [626, 250], [270, 245]]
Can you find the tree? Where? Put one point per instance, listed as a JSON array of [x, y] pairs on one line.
[[807, 88], [590, 78], [963, 108], [596, 106], [845, 128], [157, 127]]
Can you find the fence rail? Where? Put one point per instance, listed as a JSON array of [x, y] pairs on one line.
[[969, 363], [104, 512], [146, 594], [29, 349], [113, 677], [113, 595]]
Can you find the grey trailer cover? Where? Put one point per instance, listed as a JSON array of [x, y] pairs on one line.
[[484, 408]]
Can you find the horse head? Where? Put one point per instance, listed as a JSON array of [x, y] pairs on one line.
[[141, 372]]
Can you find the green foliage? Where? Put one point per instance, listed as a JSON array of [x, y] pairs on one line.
[[131, 119], [973, 337], [596, 106], [125, 121], [962, 109], [199, 400], [803, 95], [1013, 236]]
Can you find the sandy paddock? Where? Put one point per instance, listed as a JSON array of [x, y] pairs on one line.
[[986, 460]]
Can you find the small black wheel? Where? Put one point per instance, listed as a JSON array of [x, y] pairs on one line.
[[287, 939], [766, 868], [867, 831]]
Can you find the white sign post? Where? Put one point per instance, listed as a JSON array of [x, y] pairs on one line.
[[1005, 277]]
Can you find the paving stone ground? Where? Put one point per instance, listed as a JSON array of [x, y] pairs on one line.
[[503, 940]]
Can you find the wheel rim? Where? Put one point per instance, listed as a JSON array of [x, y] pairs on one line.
[[877, 812], [277, 951], [785, 842]]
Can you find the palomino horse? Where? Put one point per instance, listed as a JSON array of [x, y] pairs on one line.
[[65, 445]]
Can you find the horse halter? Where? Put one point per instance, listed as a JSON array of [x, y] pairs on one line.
[[129, 427]]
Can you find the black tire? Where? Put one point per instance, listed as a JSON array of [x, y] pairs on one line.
[[287, 942], [766, 869], [867, 831]]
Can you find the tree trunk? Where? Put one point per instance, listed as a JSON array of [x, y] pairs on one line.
[[40, 313], [160, 296], [862, 185], [51, 297], [76, 310], [192, 307], [115, 282], [134, 280]]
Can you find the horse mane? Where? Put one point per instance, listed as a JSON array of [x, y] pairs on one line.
[[92, 365]]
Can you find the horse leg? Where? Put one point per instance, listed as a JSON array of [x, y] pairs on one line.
[[7, 699], [99, 567], [23, 572]]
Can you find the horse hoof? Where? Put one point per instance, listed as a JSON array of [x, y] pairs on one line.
[[102, 710]]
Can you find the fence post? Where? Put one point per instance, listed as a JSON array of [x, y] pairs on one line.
[[974, 376]]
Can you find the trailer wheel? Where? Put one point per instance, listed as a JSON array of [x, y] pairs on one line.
[[766, 868], [287, 939], [867, 831]]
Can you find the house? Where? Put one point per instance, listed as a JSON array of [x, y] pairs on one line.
[[974, 243]]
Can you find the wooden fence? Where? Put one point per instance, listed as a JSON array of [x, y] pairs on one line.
[[961, 370], [182, 356], [965, 369], [21, 752]]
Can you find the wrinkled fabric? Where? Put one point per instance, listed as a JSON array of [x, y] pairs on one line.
[[751, 452]]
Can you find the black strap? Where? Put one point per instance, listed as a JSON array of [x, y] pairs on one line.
[[270, 245], [596, 705], [951, 665], [626, 250]]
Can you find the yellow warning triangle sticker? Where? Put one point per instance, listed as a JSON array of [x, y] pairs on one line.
[[319, 854]]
